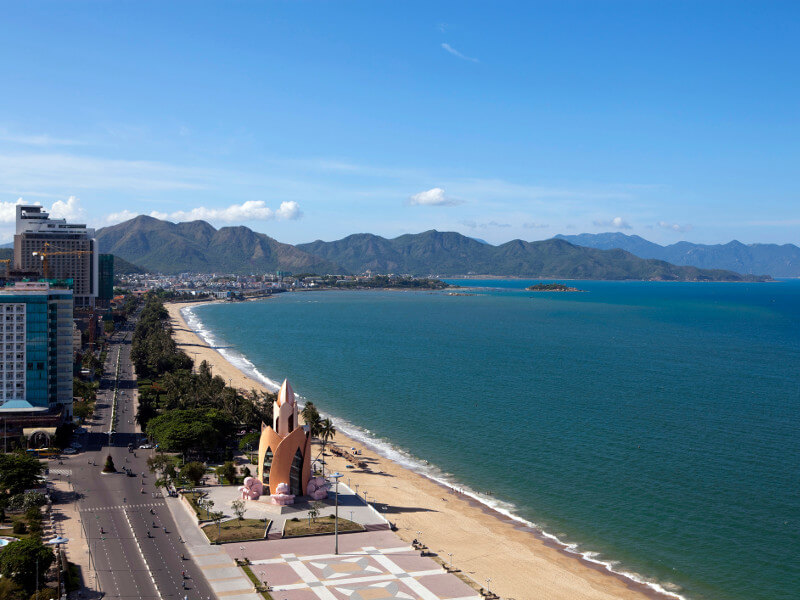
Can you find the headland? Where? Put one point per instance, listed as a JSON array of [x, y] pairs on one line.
[[519, 561]]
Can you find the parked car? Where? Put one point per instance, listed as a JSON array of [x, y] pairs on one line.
[[146, 446], [70, 451]]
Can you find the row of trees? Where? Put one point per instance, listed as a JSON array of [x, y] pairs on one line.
[[20, 471], [184, 410]]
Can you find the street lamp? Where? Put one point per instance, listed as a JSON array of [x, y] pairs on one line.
[[336, 477], [450, 556], [488, 591]]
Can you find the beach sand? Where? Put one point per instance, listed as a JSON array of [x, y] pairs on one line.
[[484, 544]]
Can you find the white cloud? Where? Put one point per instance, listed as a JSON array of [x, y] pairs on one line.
[[289, 211], [533, 225], [8, 210], [69, 210], [119, 217], [432, 197], [252, 210], [454, 52], [616, 223], [674, 226]]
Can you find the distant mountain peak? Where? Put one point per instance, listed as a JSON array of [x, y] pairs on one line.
[[771, 259]]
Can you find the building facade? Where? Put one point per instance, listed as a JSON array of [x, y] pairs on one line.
[[57, 250], [105, 290], [35, 349]]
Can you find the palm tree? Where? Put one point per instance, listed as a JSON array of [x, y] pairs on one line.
[[326, 432], [311, 418]]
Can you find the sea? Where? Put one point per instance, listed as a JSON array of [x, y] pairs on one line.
[[650, 427]]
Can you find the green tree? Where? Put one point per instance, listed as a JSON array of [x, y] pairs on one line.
[[190, 429], [10, 590], [239, 508], [228, 471], [311, 418], [109, 466], [194, 472], [18, 472], [326, 431], [21, 560]]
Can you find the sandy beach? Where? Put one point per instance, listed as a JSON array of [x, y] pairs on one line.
[[483, 544]]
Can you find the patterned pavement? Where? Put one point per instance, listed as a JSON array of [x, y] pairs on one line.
[[366, 570]]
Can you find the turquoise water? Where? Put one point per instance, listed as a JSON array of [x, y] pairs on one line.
[[654, 424]]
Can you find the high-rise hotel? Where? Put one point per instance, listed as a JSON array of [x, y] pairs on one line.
[[35, 350], [57, 250]]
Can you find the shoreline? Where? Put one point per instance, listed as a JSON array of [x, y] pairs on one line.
[[534, 564]]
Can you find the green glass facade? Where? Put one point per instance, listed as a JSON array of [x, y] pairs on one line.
[[44, 361], [106, 277]]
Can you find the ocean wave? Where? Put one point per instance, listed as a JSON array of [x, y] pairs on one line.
[[421, 466]]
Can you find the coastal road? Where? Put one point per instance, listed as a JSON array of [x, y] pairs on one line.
[[135, 554]]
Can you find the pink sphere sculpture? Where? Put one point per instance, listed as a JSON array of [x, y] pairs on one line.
[[318, 488], [252, 489], [282, 497]]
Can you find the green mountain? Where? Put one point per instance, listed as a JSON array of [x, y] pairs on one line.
[[452, 254], [164, 247], [123, 267], [776, 260]]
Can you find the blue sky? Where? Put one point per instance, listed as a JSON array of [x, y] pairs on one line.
[[501, 120]]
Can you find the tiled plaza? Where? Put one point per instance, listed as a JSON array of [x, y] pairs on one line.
[[370, 566]]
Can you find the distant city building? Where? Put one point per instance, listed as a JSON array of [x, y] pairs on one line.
[[58, 250], [105, 290], [36, 338]]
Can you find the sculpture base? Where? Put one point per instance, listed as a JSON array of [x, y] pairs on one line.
[[265, 504]]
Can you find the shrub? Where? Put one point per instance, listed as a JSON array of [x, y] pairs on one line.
[[295, 520], [109, 466], [16, 502], [19, 527], [34, 500]]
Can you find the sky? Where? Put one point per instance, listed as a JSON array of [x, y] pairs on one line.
[[315, 120]]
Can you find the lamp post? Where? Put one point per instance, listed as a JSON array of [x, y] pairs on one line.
[[450, 556], [488, 591], [335, 477]]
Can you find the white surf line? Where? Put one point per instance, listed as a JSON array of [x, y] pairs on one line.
[[144, 560]]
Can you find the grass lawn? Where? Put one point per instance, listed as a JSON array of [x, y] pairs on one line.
[[8, 532], [236, 530], [322, 525], [193, 497], [259, 584]]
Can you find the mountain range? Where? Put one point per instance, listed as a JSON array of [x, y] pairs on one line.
[[442, 254], [162, 246], [773, 259], [196, 246]]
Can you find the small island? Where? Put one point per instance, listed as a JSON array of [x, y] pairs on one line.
[[552, 287]]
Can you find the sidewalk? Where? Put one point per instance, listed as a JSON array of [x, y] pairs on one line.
[[226, 579], [66, 520]]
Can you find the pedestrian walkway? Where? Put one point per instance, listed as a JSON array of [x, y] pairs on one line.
[[69, 526], [126, 506], [226, 579], [369, 566]]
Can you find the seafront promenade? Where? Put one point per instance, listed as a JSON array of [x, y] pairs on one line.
[[488, 548]]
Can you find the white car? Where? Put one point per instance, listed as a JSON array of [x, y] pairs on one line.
[[70, 451], [146, 446]]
